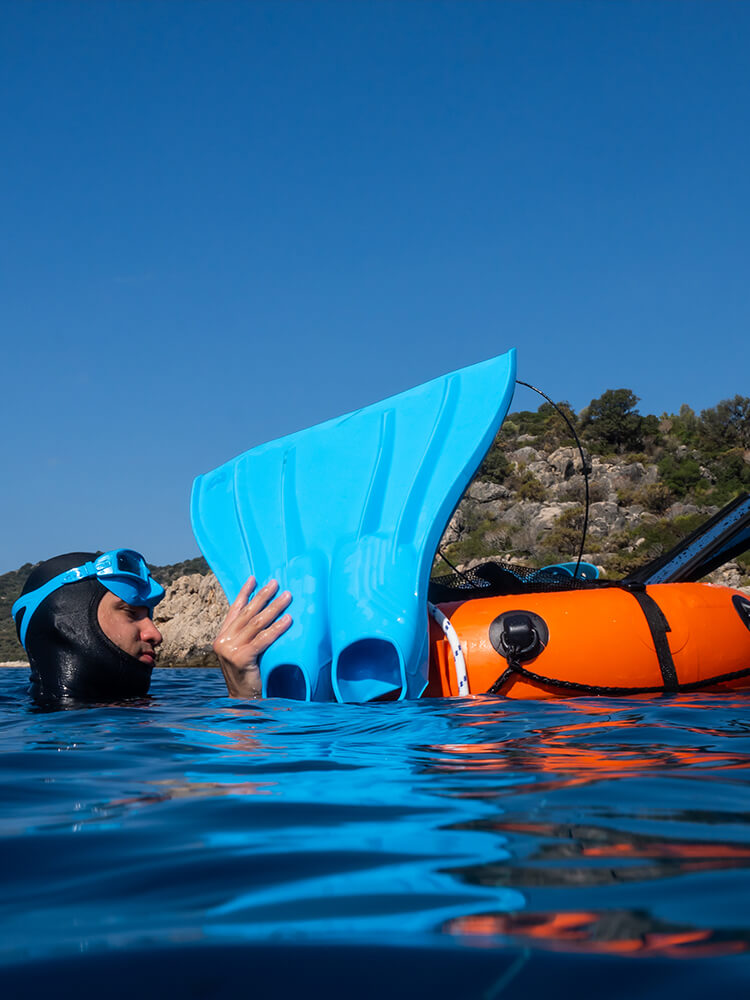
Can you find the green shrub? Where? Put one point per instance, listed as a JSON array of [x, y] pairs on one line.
[[530, 488], [655, 497], [658, 537], [679, 475], [564, 538], [545, 425], [731, 475], [481, 542], [496, 468]]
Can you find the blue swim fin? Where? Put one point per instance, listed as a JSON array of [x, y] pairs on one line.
[[347, 515]]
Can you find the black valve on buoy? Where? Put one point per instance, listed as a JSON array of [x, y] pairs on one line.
[[518, 636]]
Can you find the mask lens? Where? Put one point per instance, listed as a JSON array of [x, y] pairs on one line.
[[131, 563]]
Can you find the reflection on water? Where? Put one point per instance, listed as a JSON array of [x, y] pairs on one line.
[[626, 932], [584, 828]]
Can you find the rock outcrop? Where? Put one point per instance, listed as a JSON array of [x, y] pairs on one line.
[[189, 618]]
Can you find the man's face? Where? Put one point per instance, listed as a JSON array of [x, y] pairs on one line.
[[129, 627]]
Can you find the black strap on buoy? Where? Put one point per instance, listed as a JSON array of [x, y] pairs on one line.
[[658, 626]]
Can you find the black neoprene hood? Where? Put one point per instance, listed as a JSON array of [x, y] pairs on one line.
[[70, 656]]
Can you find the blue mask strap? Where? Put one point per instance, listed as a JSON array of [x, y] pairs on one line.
[[128, 592], [30, 602]]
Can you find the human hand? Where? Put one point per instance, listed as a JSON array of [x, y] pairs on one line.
[[249, 628]]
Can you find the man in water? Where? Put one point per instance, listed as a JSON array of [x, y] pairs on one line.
[[86, 624]]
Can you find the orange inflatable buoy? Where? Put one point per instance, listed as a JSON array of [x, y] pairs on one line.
[[611, 640]]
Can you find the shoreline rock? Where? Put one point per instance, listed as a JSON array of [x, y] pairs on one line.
[[189, 617]]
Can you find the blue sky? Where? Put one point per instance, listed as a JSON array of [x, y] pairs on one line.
[[222, 222]]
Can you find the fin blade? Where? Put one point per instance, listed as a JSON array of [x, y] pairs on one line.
[[347, 515]]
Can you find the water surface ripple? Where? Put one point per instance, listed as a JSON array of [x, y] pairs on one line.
[[477, 848]]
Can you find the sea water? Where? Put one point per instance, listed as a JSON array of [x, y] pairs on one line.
[[190, 845]]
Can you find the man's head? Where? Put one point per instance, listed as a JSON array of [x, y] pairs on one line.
[[85, 622]]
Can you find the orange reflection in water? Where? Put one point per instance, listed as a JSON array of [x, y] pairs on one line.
[[606, 932], [568, 767], [584, 750]]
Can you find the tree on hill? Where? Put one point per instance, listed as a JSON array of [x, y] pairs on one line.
[[726, 425], [613, 421]]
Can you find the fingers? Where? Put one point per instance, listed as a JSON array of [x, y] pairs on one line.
[[240, 600], [258, 614], [269, 635], [243, 605], [259, 600], [246, 619]]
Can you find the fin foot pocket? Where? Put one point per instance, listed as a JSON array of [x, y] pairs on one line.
[[287, 680], [368, 669]]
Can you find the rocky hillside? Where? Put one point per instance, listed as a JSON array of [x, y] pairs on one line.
[[651, 482], [626, 527]]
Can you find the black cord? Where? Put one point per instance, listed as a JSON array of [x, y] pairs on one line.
[[455, 569], [584, 468]]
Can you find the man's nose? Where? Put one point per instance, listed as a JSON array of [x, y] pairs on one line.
[[150, 633]]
